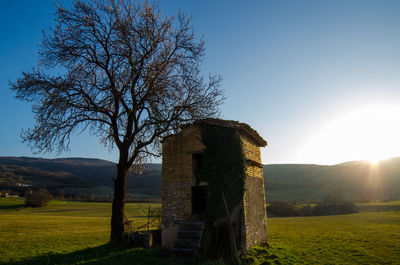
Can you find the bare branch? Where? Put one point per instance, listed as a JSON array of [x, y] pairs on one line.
[[125, 72]]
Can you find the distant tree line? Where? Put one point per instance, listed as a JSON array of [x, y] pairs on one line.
[[12, 187], [329, 205]]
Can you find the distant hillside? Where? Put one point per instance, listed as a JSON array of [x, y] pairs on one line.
[[356, 180], [77, 175], [353, 180]]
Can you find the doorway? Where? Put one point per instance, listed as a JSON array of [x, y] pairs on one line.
[[199, 199]]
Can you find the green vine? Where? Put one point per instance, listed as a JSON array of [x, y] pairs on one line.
[[224, 168]]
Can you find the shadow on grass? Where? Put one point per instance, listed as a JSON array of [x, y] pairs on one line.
[[10, 207], [64, 210], [104, 254]]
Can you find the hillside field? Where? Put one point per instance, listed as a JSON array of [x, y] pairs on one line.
[[356, 181], [68, 232]]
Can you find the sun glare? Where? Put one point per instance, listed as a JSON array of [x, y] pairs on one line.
[[374, 162], [370, 134]]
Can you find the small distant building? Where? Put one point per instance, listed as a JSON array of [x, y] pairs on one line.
[[185, 192], [22, 185]]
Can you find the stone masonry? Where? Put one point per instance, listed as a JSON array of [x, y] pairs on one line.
[[178, 179]]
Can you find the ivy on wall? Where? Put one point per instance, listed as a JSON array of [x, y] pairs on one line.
[[224, 168]]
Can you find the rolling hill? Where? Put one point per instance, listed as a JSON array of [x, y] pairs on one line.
[[77, 175], [356, 180]]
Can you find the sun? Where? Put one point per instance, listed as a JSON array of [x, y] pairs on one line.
[[371, 133], [374, 162]]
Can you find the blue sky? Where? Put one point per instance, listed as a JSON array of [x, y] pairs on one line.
[[289, 68]]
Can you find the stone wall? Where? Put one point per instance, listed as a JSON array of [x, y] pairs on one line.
[[177, 180], [254, 212], [254, 171], [255, 221], [251, 150], [176, 207]]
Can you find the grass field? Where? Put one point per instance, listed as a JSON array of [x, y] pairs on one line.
[[362, 238], [67, 232], [78, 232]]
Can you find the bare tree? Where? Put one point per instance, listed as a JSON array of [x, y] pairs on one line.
[[125, 72]]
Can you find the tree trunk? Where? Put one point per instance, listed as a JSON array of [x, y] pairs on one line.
[[118, 205]]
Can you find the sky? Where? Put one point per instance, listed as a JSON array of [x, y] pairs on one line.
[[319, 80]]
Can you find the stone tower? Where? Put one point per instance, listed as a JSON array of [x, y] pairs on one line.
[[185, 196]]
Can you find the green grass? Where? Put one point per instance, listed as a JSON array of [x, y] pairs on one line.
[[76, 208], [362, 238], [78, 232], [7, 204], [66, 232]]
